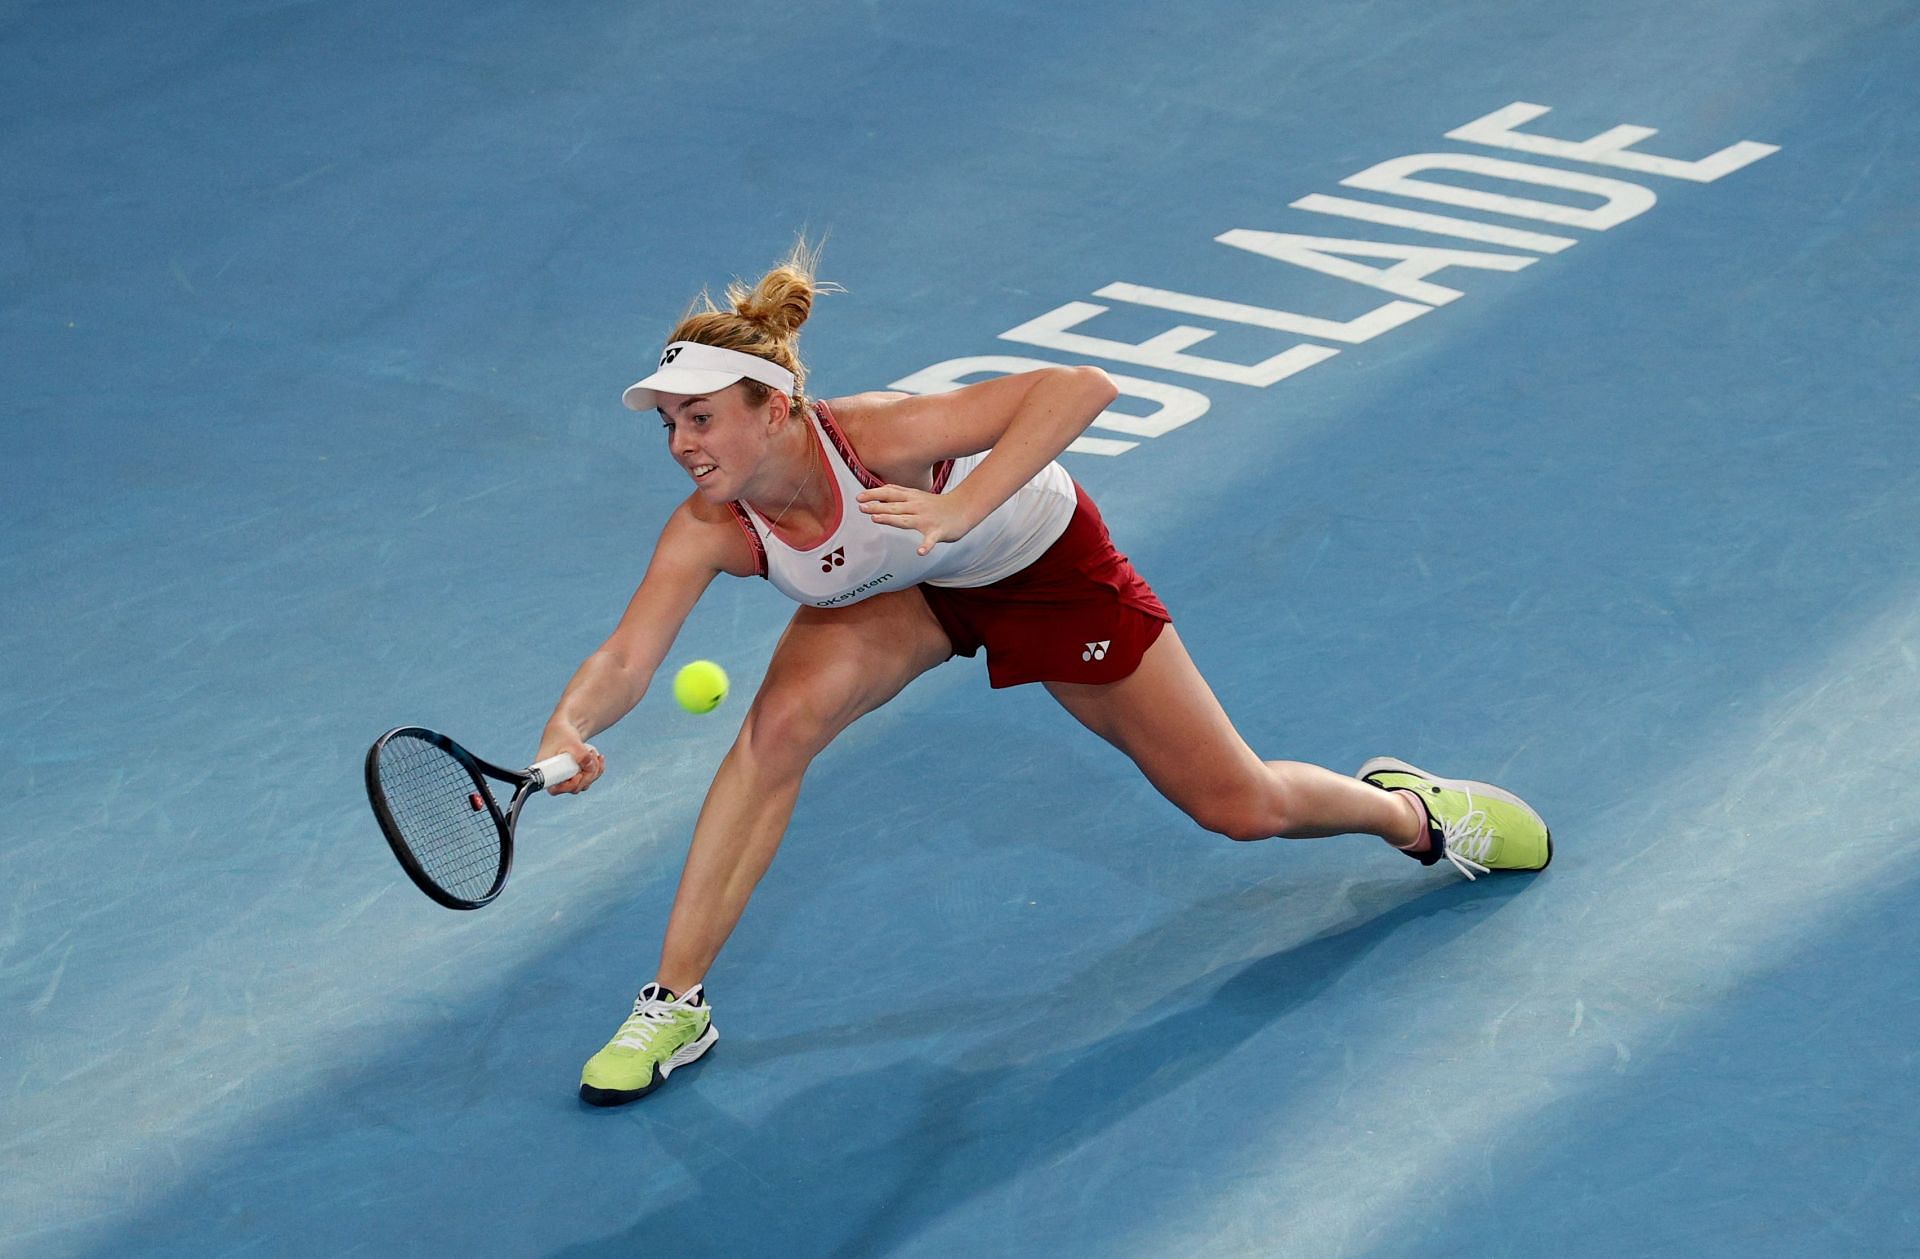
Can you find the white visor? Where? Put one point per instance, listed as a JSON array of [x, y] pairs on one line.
[[687, 367]]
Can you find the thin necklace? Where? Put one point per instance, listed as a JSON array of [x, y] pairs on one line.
[[804, 483]]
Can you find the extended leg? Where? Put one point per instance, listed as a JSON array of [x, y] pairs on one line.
[[1166, 718], [830, 668]]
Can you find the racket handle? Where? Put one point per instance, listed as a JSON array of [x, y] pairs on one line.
[[556, 769]]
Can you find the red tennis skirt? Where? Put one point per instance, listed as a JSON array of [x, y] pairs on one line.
[[1079, 613]]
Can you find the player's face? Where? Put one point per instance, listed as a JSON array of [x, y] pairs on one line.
[[718, 439]]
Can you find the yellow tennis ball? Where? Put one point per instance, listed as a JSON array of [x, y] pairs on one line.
[[699, 687]]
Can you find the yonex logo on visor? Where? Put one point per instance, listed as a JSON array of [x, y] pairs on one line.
[[688, 367]]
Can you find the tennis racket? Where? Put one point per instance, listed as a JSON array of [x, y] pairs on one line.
[[433, 802]]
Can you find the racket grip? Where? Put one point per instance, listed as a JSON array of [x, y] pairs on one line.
[[556, 769]]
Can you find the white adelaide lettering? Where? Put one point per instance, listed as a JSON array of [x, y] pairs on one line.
[[1406, 278], [855, 593], [1620, 200], [1162, 350], [1352, 331], [1174, 405], [1610, 148], [1433, 224]]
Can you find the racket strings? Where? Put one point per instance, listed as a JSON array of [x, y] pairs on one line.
[[442, 817]]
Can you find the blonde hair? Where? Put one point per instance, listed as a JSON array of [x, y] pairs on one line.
[[763, 320]]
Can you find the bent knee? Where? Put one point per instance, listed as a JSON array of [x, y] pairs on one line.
[[1245, 831], [789, 727], [1242, 815]]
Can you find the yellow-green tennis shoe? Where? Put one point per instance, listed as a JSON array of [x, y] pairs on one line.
[[663, 1033], [1476, 826]]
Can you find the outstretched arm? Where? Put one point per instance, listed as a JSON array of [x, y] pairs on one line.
[[607, 685], [1023, 421]]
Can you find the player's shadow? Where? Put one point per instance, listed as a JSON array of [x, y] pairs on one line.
[[858, 1164]]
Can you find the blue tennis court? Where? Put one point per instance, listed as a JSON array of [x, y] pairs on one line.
[[1457, 424]]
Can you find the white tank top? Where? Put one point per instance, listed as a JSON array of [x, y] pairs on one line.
[[860, 557]]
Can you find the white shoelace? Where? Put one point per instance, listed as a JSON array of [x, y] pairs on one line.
[[1468, 839], [644, 1023]]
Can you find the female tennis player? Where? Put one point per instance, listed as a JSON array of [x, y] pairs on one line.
[[911, 529]]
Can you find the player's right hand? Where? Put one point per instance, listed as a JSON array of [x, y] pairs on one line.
[[591, 763]]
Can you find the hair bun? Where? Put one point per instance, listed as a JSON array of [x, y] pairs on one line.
[[780, 302], [763, 319]]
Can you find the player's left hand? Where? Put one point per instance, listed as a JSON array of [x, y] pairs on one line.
[[936, 517]]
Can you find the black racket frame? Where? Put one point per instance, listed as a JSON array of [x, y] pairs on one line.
[[523, 784]]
